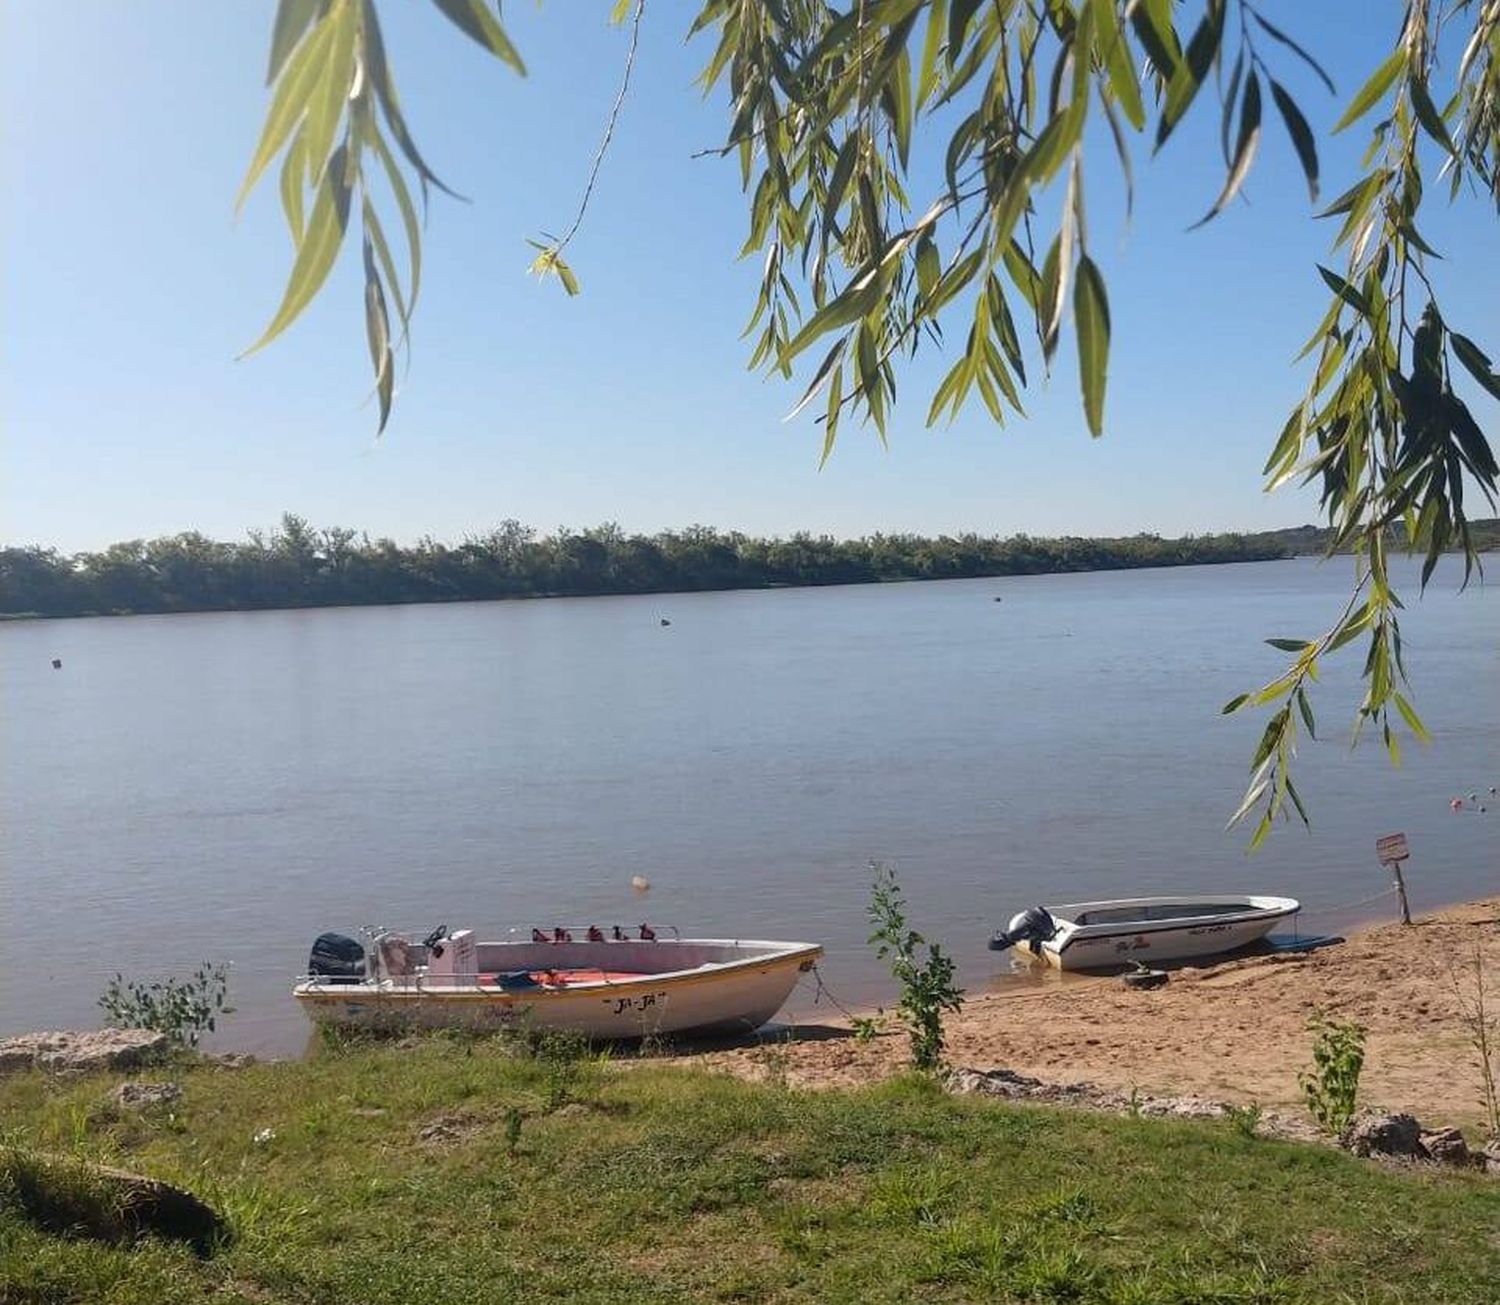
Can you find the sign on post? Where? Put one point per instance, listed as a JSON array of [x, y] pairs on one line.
[[1392, 851], [1391, 848]]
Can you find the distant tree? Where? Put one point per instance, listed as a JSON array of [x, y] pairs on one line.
[[824, 102]]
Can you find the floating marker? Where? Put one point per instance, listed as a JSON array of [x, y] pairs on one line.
[[57, 666], [640, 883]]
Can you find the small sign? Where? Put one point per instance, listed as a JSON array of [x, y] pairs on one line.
[[1391, 848]]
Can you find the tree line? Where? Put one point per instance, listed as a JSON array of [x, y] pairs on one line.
[[298, 565]]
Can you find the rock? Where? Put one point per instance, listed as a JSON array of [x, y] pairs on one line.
[[144, 1096], [1182, 1108], [63, 1194], [1489, 1156], [80, 1052], [233, 1060], [1370, 1133], [1447, 1146]]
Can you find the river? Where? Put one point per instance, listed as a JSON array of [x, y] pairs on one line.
[[226, 786]]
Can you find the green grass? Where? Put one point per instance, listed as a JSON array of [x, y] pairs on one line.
[[647, 1183]]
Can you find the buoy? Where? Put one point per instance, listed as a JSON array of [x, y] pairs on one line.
[[640, 883], [664, 621], [998, 599], [57, 666]]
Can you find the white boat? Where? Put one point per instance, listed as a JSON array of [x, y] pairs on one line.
[[601, 986], [1100, 935]]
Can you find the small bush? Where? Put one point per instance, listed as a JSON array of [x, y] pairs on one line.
[[1332, 1087], [183, 1009], [927, 987], [1246, 1119]]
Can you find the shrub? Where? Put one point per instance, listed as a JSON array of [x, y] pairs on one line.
[[927, 986], [183, 1009], [1332, 1087]]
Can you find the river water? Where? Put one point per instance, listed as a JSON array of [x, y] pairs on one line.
[[226, 786]]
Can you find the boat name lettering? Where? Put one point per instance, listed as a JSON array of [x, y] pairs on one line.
[[623, 1004]]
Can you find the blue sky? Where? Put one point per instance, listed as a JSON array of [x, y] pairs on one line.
[[129, 289]]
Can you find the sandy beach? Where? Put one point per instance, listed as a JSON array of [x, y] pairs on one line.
[[1234, 1030]]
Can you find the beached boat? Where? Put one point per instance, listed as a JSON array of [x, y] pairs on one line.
[[601, 985], [1100, 935]]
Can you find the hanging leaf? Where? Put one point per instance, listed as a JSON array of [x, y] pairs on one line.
[[1476, 363], [316, 254], [1244, 150], [378, 335], [1091, 320], [288, 104], [293, 17], [474, 19], [1187, 78], [1276, 34], [1114, 52], [1302, 137], [1381, 80]]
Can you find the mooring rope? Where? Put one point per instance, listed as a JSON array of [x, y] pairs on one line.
[[1348, 906], [823, 990]]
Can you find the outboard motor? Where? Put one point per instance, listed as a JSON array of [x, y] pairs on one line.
[[337, 959], [1032, 927]]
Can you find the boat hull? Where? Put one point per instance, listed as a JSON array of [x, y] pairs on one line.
[[1111, 943], [729, 997]]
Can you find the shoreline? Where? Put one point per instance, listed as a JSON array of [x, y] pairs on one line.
[[1233, 1029]]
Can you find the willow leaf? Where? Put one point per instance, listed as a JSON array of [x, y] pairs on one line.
[[293, 169], [475, 20], [408, 218], [293, 17], [1091, 319], [378, 335], [1301, 134], [325, 110], [289, 103], [1381, 80], [1114, 51], [317, 252], [375, 234], [1244, 150]]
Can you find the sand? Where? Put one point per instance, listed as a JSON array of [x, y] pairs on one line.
[[1234, 1030]]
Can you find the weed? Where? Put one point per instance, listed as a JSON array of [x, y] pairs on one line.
[[1332, 1088], [513, 1120], [1483, 1029], [867, 1026], [927, 987], [183, 1009], [1246, 1119]]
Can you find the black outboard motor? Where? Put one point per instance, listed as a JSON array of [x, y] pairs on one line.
[[337, 959], [1032, 927]]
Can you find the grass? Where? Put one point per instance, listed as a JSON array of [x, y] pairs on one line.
[[458, 1170]]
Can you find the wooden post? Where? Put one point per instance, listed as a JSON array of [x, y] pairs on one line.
[[1401, 892], [1392, 851]]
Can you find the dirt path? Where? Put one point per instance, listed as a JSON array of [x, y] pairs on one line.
[[1235, 1030]]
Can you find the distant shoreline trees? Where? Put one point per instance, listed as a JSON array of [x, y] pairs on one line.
[[298, 565]]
